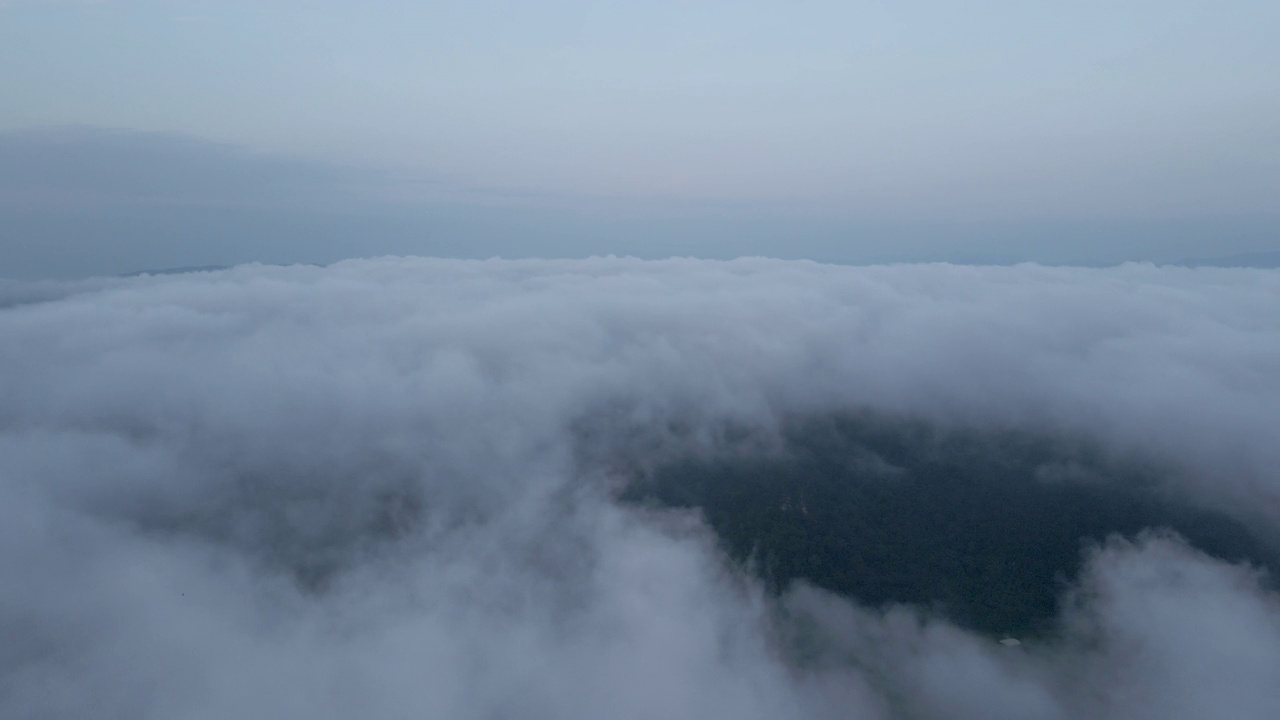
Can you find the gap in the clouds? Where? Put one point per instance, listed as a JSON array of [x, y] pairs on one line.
[[987, 527]]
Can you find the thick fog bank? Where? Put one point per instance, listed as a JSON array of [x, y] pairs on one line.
[[407, 488]]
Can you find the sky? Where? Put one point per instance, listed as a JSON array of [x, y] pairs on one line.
[[1090, 132]]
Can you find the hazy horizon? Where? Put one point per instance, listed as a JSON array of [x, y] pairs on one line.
[[145, 134]]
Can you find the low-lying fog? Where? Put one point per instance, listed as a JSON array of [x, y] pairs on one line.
[[407, 488]]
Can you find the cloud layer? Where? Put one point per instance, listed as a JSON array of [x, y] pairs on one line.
[[360, 490]]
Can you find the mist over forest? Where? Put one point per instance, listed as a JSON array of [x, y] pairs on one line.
[[413, 487], [989, 528]]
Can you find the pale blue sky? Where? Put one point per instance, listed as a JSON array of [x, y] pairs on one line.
[[876, 112]]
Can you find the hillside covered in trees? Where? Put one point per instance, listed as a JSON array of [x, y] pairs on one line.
[[988, 527]]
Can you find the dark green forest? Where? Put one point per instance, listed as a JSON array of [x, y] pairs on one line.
[[987, 527]]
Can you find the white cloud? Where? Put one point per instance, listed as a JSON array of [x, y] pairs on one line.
[[351, 491]]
